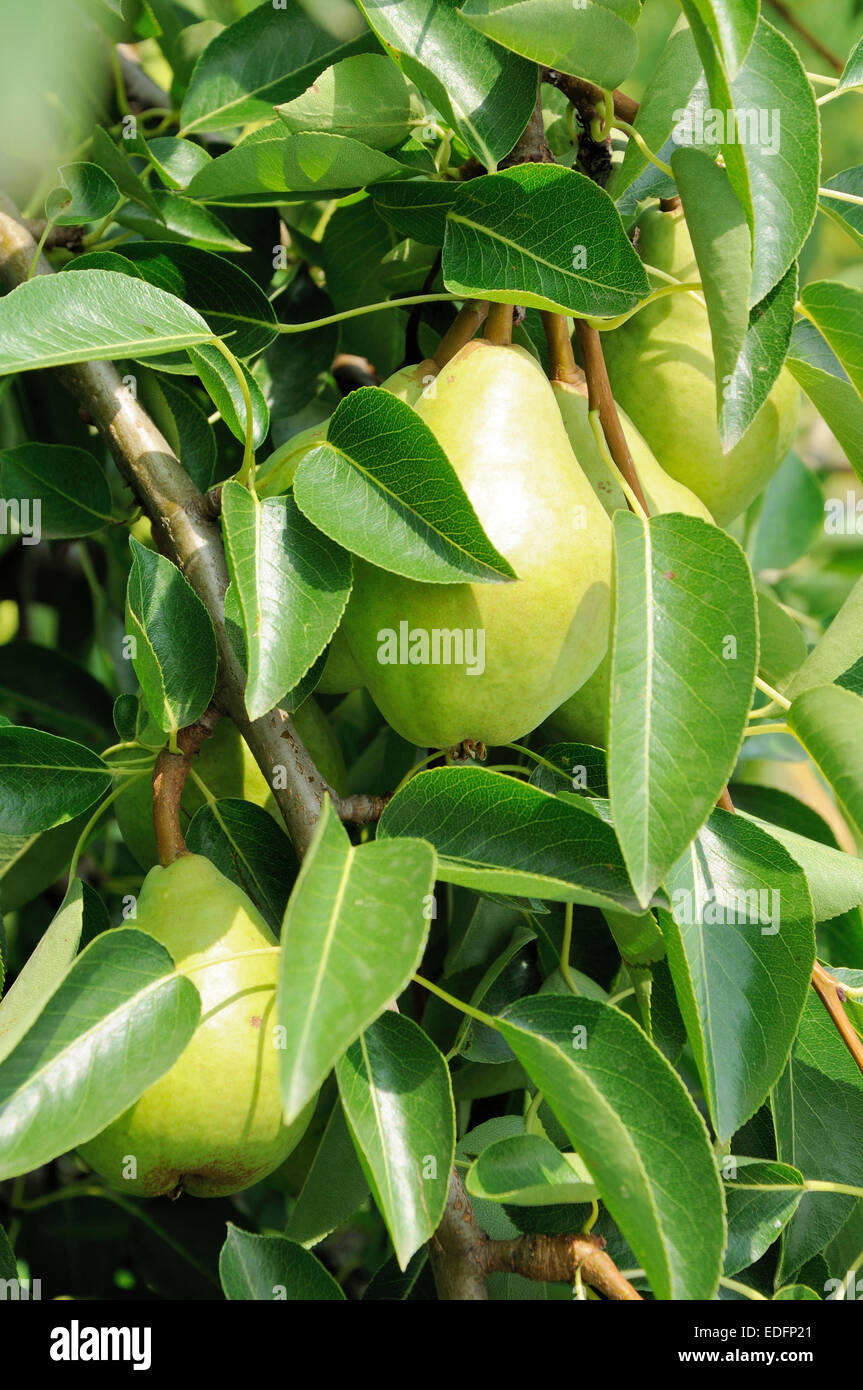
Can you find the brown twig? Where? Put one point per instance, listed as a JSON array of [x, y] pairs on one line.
[[498, 325], [169, 779], [587, 98], [554, 1260], [812, 39], [70, 237], [363, 809], [831, 994], [463, 327], [462, 1256], [531, 146], [600, 398]]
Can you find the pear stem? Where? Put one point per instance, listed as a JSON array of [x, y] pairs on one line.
[[561, 358], [599, 398], [498, 325], [461, 330], [169, 779]]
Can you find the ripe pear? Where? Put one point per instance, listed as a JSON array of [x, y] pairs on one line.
[[661, 367], [213, 1123], [583, 717], [662, 494], [229, 769], [493, 412]]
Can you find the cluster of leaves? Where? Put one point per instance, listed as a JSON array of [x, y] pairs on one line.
[[684, 1076]]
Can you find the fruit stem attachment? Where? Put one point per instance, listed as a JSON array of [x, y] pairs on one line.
[[169, 779], [561, 358], [465, 324], [498, 325], [599, 398]]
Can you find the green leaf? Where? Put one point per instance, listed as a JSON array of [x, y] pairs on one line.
[[184, 423], [685, 654], [334, 1186], [383, 488], [353, 934], [88, 195], [837, 312], [180, 220], [43, 970], [497, 835], [760, 1198], [268, 56], [791, 516], [815, 366], [829, 723], [668, 116], [852, 73], [741, 946], [120, 1018], [364, 97], [314, 160], [265, 1268], [527, 1170], [45, 780], [175, 655], [629, 1116], [116, 163], [830, 655], [416, 208], [91, 316], [486, 92], [397, 1097], [67, 485], [56, 692], [252, 174], [587, 264], [176, 161], [730, 25], [588, 39], [233, 303], [849, 216], [818, 1115], [249, 848], [292, 584], [220, 383], [782, 646]]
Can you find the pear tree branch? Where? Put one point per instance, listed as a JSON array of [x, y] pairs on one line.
[[189, 533], [462, 1256]]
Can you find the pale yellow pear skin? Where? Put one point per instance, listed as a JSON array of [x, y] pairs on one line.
[[228, 768], [212, 1124], [583, 717], [662, 494], [493, 412], [661, 367]]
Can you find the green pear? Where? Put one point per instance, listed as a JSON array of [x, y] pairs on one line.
[[660, 363], [213, 1123], [276, 475], [583, 717], [340, 674], [662, 494], [229, 769], [493, 412]]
